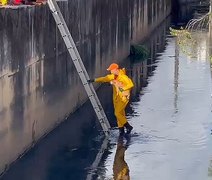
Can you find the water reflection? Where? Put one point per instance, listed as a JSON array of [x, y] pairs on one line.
[[210, 169], [176, 76], [120, 168], [140, 70], [210, 55], [98, 158]]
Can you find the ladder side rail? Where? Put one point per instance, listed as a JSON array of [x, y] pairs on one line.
[[90, 85], [79, 66], [99, 103], [75, 50], [89, 88], [86, 74], [73, 46], [98, 158], [87, 77], [91, 93], [63, 23]]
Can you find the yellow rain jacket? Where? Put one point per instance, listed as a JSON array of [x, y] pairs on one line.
[[3, 2], [122, 85]]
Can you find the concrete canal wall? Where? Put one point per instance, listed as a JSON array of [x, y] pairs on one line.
[[39, 86], [192, 1], [184, 10]]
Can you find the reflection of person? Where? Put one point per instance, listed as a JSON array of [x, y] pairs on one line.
[[120, 167], [122, 85]]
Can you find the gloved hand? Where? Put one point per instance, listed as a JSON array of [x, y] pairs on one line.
[[91, 80]]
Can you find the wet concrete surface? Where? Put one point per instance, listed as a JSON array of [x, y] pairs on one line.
[[171, 114]]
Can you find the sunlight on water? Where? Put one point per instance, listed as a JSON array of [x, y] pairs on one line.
[[173, 119]]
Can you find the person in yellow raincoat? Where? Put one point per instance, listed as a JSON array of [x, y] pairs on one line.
[[122, 85], [120, 168]]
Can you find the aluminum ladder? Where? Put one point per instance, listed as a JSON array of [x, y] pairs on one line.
[[75, 56], [95, 164]]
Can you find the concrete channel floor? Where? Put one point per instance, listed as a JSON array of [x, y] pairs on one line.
[[171, 138]]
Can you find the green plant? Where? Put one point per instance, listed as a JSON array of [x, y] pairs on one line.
[[139, 52], [186, 40]]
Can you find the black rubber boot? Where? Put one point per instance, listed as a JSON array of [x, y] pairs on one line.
[[121, 131], [128, 127]]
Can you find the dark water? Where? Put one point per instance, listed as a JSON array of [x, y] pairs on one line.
[[170, 111]]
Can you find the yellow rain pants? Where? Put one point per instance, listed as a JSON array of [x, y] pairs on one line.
[[3, 2], [120, 98]]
